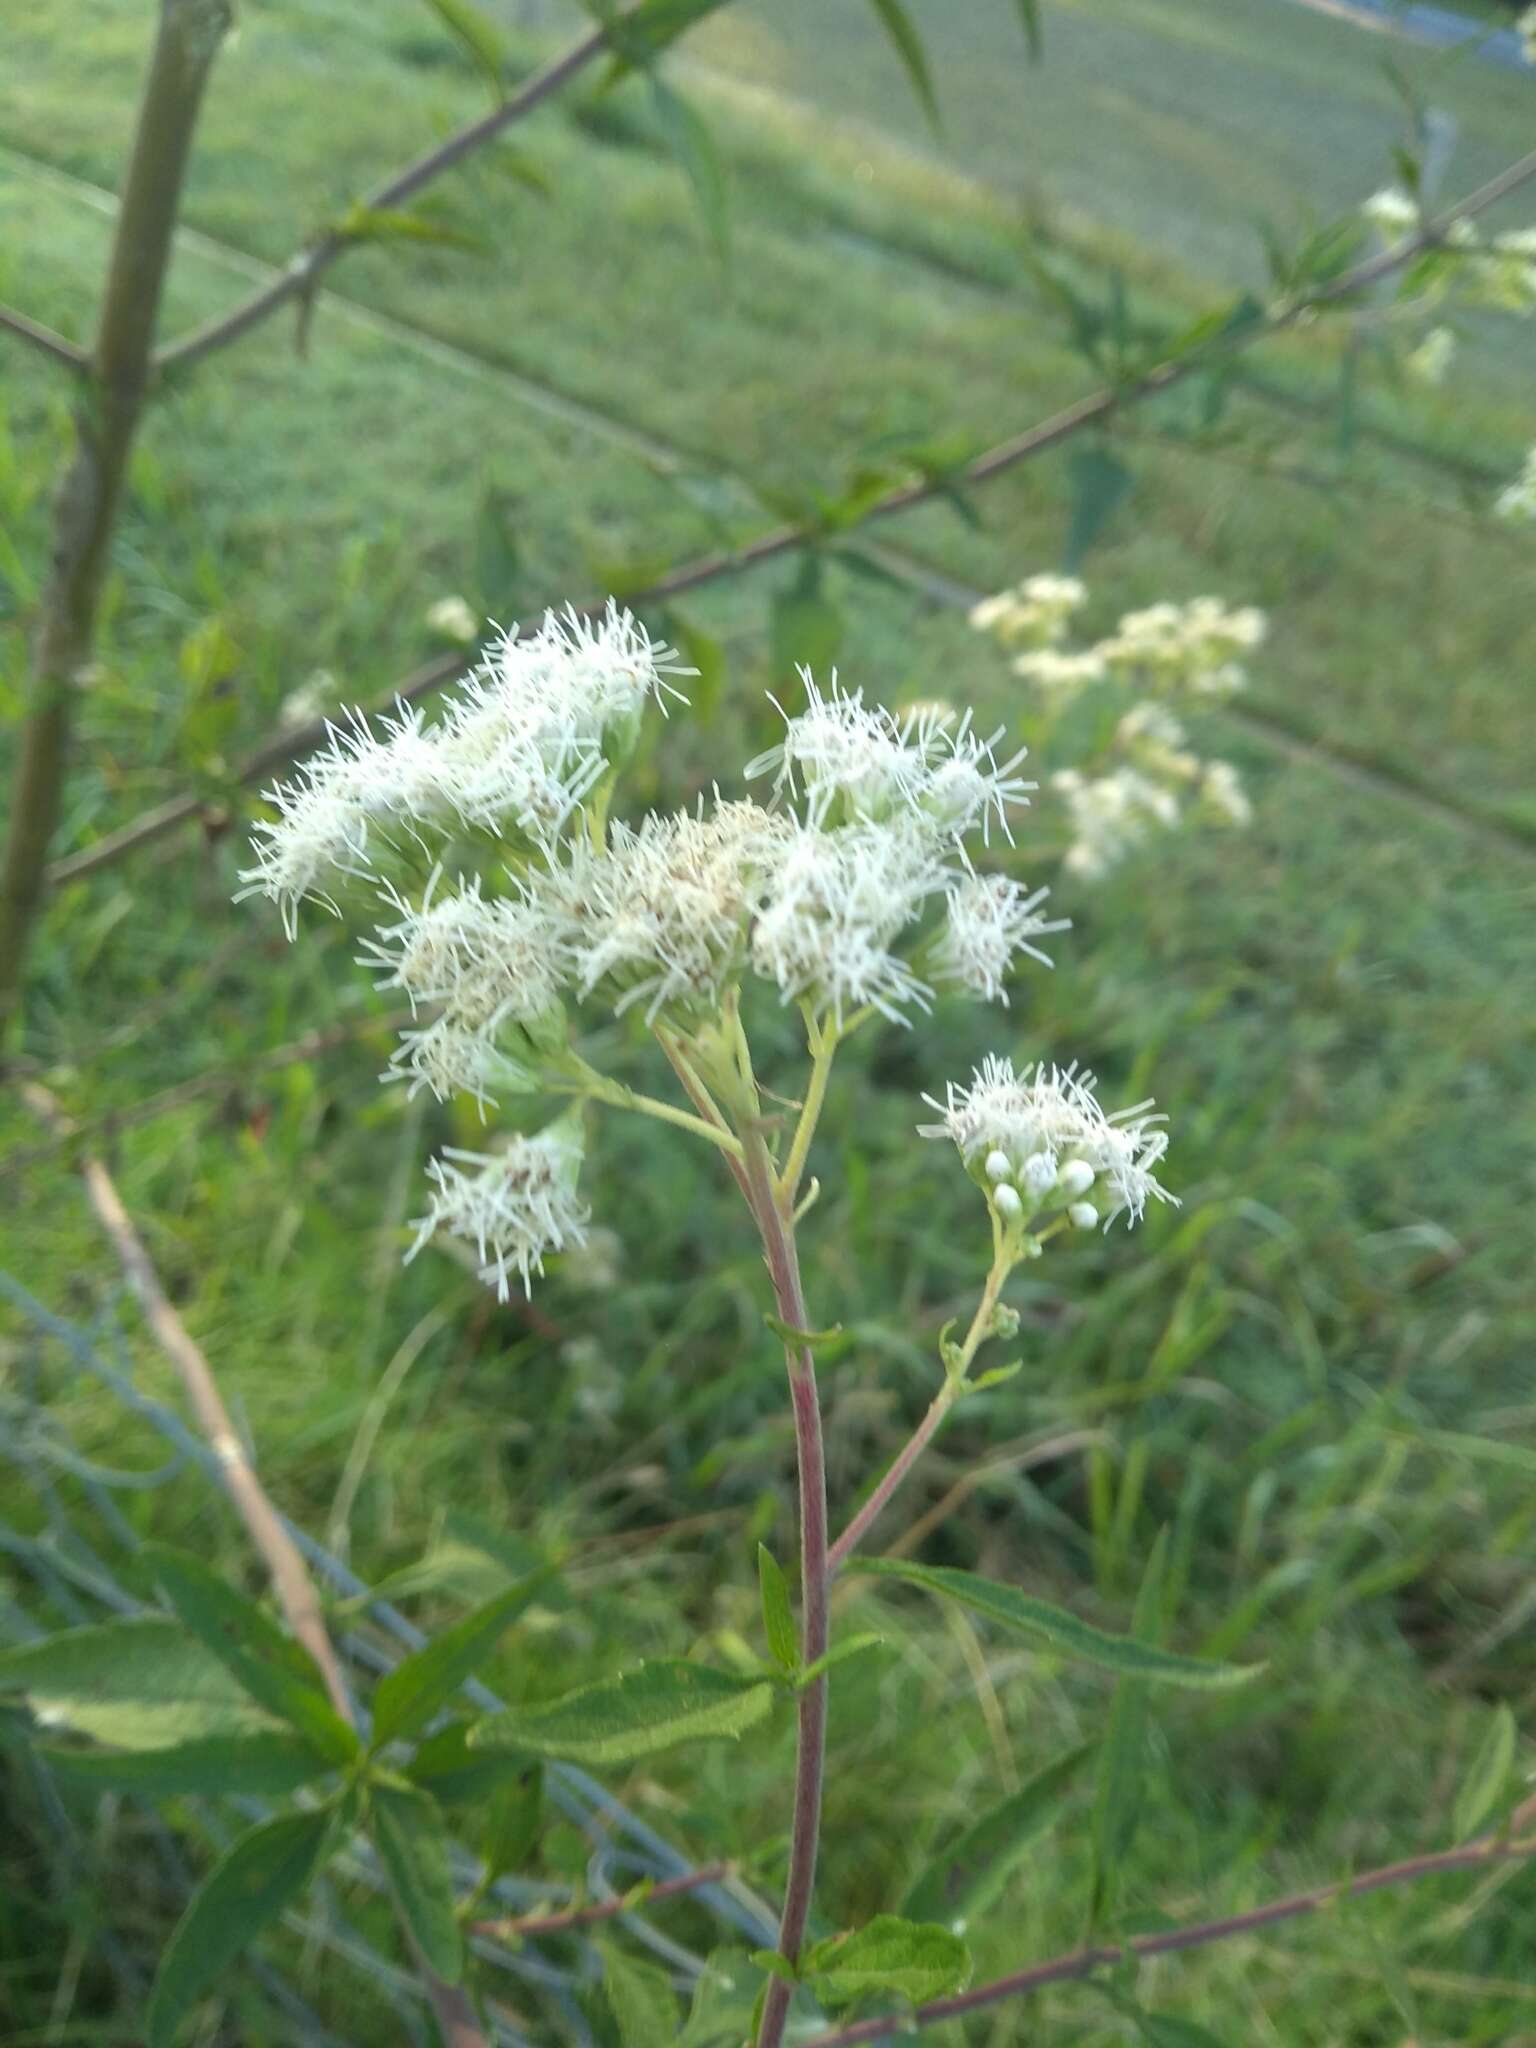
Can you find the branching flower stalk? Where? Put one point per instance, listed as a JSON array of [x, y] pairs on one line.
[[852, 894]]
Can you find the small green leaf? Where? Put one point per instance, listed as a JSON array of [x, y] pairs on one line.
[[641, 34], [479, 36], [513, 1821], [810, 1339], [1121, 1792], [1029, 17], [246, 1889], [1056, 1628], [912, 1958], [721, 2013], [805, 626], [420, 1683], [266, 1761], [776, 1965], [850, 1646], [390, 224], [641, 1998], [455, 1774], [699, 160], [636, 1714], [408, 1832], [898, 25], [274, 1670], [778, 1621], [1484, 1784], [1100, 481], [140, 1683], [960, 1885], [1164, 2030]]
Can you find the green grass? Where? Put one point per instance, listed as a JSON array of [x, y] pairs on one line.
[[1334, 1007]]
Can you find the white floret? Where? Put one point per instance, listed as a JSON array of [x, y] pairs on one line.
[[514, 1206], [989, 921]]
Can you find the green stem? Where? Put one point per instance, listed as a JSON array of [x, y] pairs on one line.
[[823, 1040]]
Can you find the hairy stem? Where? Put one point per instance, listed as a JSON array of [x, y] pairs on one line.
[[1088, 1962], [604, 1909], [774, 1221], [85, 505]]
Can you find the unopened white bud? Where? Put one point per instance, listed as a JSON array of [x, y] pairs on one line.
[[1082, 1215], [1039, 1174], [1008, 1203], [998, 1166], [1076, 1178]]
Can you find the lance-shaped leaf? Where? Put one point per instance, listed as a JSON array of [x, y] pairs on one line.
[[1055, 1629], [265, 1761], [244, 1892], [699, 160], [455, 1774], [274, 1670], [140, 1683], [641, 33], [908, 44], [913, 1959], [478, 36], [1485, 1783], [420, 1683], [964, 1880], [408, 1832], [650, 1708], [778, 1622]]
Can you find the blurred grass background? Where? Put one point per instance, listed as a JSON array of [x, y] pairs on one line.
[[1300, 1372]]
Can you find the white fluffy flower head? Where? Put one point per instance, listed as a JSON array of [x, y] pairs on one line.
[[1044, 1126], [514, 1206], [989, 920]]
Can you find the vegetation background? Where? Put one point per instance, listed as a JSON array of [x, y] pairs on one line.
[[1316, 1373]]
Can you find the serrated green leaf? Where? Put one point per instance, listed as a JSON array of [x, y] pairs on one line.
[[778, 1621], [1483, 1786], [274, 1670], [916, 1960], [641, 1999], [1057, 1629], [645, 1710], [478, 35], [265, 1761], [908, 44], [966, 1878], [699, 160], [408, 1832], [420, 1684], [139, 1683], [246, 1889]]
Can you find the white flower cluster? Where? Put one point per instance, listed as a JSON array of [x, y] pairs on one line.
[[1164, 651], [1517, 501], [527, 737], [514, 1206], [1034, 613], [852, 888], [1038, 1141]]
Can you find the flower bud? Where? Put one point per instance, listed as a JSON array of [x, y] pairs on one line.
[[1007, 1203], [998, 1166], [1076, 1178], [1082, 1215], [1039, 1174]]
